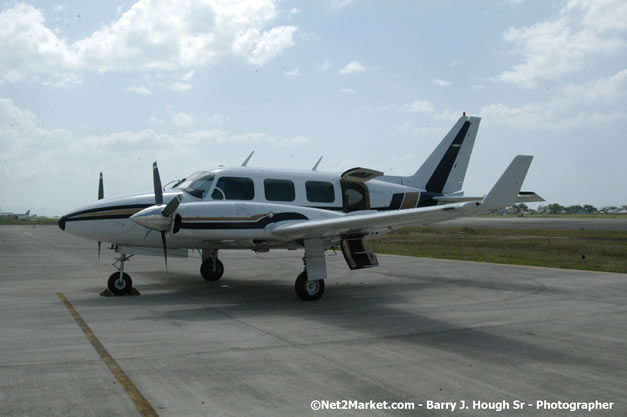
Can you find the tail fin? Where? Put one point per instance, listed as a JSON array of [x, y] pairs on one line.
[[445, 169], [505, 191]]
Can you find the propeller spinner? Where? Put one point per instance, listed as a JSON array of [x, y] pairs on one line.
[[158, 217]]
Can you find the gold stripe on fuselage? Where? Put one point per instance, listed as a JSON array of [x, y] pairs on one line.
[[410, 201], [118, 212]]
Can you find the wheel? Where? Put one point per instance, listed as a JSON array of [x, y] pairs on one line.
[[117, 286], [308, 290], [207, 272]]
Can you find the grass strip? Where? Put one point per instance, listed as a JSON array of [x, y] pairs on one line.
[[572, 249]]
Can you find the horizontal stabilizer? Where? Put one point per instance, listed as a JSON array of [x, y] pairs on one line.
[[529, 197], [505, 191]]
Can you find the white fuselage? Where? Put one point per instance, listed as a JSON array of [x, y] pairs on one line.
[[233, 207]]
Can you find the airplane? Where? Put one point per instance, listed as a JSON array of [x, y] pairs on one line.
[[17, 216], [265, 209]]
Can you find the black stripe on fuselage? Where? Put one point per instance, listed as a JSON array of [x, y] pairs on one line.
[[74, 216], [259, 224], [442, 172]]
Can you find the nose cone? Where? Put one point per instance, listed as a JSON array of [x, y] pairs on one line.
[[62, 223]]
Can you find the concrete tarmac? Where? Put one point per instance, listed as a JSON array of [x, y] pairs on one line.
[[411, 330]]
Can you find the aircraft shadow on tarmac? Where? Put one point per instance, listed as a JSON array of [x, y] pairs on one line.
[[368, 308]]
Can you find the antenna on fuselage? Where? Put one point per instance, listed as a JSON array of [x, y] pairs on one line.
[[315, 167], [245, 163]]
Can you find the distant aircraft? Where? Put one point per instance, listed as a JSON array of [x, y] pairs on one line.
[[24, 215], [17, 216], [264, 209]]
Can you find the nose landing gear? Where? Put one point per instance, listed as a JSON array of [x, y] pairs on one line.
[[120, 282]]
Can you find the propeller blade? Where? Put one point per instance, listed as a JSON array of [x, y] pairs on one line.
[[100, 188], [172, 206], [165, 250], [157, 183], [99, 246]]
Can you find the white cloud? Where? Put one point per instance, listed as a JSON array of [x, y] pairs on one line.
[[448, 115], [477, 87], [353, 66], [417, 106], [155, 119], [188, 75], [539, 116], [511, 3], [252, 138], [31, 51], [291, 73], [410, 130], [30, 156], [181, 119], [218, 118], [294, 11], [269, 44], [151, 34], [440, 83], [339, 4], [179, 86], [606, 90], [573, 105], [600, 15], [140, 89], [325, 66], [347, 91], [559, 46]]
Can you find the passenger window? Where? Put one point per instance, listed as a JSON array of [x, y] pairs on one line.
[[234, 188], [279, 190], [320, 191]]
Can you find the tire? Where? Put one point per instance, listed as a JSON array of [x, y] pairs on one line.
[[207, 272], [308, 290], [116, 287]]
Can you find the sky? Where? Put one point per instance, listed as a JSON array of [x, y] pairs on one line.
[[90, 87]]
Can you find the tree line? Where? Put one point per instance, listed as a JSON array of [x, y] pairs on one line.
[[556, 208]]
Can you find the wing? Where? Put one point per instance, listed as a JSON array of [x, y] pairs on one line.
[[360, 224], [523, 197], [503, 194]]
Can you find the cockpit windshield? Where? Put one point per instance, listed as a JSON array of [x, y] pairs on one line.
[[196, 184]]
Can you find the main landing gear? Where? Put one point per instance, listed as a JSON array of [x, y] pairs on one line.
[[211, 271], [309, 285], [308, 290], [211, 268], [120, 282]]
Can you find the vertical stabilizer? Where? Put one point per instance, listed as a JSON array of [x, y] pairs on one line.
[[445, 169]]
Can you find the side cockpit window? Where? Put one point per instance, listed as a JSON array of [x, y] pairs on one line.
[[234, 188]]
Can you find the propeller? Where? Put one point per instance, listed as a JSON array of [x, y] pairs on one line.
[[159, 216], [100, 188], [157, 183], [100, 197]]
